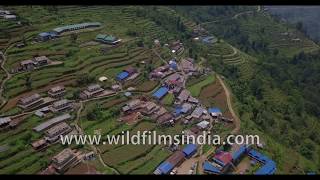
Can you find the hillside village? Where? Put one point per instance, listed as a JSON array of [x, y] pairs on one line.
[[83, 78]]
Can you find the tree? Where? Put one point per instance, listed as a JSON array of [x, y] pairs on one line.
[[73, 38], [28, 82]]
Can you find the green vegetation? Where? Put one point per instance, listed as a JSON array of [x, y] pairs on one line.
[[195, 89]]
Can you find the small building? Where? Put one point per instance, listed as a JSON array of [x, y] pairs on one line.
[[165, 119], [107, 39], [39, 114], [63, 161], [127, 94], [203, 125], [41, 60], [209, 39], [160, 93], [51, 122], [215, 112], [91, 91], [163, 168], [193, 100], [39, 144], [60, 106], [198, 112], [122, 76], [187, 65], [224, 159], [103, 78], [238, 154], [190, 150], [173, 64], [176, 158], [53, 134], [116, 87], [20, 45], [45, 36], [57, 92], [27, 65], [10, 17], [183, 96], [30, 101], [209, 168], [5, 121]]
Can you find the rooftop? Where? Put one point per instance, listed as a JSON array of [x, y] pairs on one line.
[[161, 92], [67, 27], [122, 75], [51, 122]]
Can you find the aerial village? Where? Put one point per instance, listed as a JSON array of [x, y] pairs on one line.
[[59, 112]]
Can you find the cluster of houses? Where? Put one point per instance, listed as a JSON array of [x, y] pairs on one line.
[[199, 33], [56, 32], [176, 159], [163, 71], [223, 162], [7, 15], [135, 109], [54, 102], [95, 90], [34, 63], [52, 129]]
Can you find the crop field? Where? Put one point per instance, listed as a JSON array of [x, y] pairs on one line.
[[196, 88]]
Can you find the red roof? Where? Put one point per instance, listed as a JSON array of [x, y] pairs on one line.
[[225, 157]]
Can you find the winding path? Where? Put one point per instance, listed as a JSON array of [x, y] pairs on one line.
[[8, 76], [229, 103]]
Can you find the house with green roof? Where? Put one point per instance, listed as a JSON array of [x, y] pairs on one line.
[[107, 39]]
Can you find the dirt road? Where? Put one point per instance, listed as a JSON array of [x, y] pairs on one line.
[[229, 103]]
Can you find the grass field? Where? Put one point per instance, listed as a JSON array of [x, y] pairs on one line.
[[195, 89]]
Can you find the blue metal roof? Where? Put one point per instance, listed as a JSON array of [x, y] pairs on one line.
[[236, 155], [258, 156], [165, 167], [189, 149], [45, 34], [269, 165], [267, 169], [123, 75], [174, 65], [161, 92], [177, 111], [214, 110], [210, 168]]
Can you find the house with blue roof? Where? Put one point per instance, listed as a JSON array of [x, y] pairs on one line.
[[190, 150], [164, 168], [237, 155], [160, 93], [209, 168], [269, 166], [45, 36], [215, 112], [122, 76]]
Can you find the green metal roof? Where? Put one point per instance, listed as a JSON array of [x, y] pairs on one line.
[[61, 29], [105, 37]]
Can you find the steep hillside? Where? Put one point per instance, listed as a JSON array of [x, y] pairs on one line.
[[280, 100]]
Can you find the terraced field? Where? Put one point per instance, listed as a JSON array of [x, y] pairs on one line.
[[79, 57], [233, 57], [261, 26]]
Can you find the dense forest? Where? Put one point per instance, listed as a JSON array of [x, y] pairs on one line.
[[304, 17]]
